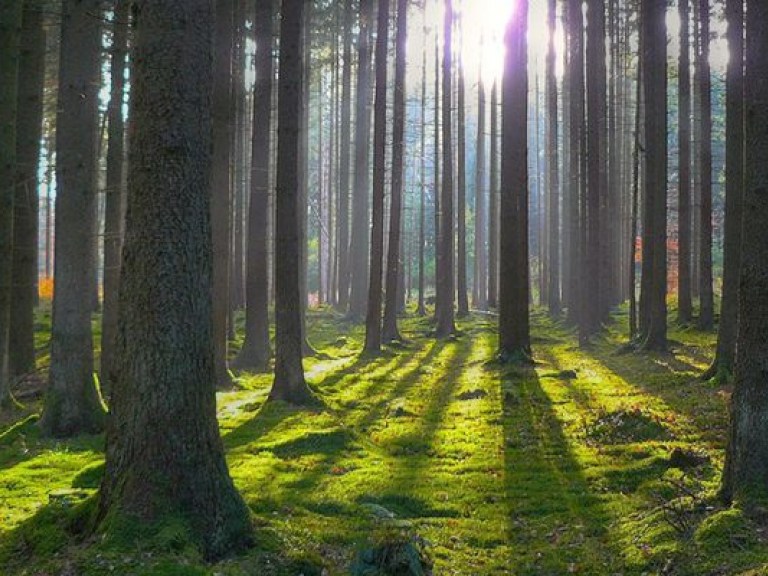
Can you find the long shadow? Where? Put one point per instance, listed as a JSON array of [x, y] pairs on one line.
[[556, 522]]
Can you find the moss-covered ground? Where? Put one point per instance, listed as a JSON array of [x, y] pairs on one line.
[[592, 461]]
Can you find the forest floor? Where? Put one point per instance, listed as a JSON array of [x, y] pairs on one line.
[[593, 461]]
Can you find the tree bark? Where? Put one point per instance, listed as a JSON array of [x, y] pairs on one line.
[[164, 456], [553, 161], [746, 462], [684, 303], [514, 324], [481, 253], [72, 403], [461, 196], [345, 138], [493, 203], [255, 353]]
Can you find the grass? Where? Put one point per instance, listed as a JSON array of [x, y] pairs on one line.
[[564, 467]]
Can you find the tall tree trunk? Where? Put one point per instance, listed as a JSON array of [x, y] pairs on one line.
[[653, 312], [373, 317], [255, 352], [461, 196], [635, 201], [164, 456], [553, 161], [707, 310], [493, 203], [114, 211], [358, 248], [10, 39], [436, 155], [685, 306], [72, 403], [389, 329], [481, 262], [514, 326], [26, 200], [221, 189], [289, 384], [746, 462], [421, 308], [734, 192], [345, 138]]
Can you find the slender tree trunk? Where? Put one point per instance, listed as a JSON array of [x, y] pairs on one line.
[[114, 212], [255, 352], [461, 197], [72, 403], [164, 456], [358, 250], [553, 161], [707, 310], [481, 263], [734, 195], [493, 204], [436, 157], [685, 305], [10, 39], [421, 308], [289, 385], [514, 328], [373, 318], [635, 207], [345, 138], [390, 331], [26, 200], [746, 461]]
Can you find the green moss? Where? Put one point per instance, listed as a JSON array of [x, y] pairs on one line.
[[724, 532]]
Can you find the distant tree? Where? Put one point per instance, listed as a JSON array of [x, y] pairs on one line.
[[10, 37], [684, 305], [421, 309], [72, 403], [114, 210], [164, 456], [289, 384], [255, 352], [734, 192], [653, 305], [493, 202], [746, 461], [480, 300], [444, 313], [514, 276], [394, 273], [25, 226], [462, 300]]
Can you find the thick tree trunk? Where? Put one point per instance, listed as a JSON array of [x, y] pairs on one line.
[[653, 312], [707, 310], [394, 274], [72, 403], [10, 38], [373, 316], [255, 352], [444, 313], [514, 325], [746, 462], [358, 248], [164, 456], [553, 161], [114, 210], [221, 190], [289, 384], [684, 303], [26, 200]]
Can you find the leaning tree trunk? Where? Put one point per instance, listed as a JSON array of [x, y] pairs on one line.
[[255, 352], [25, 226], [389, 328], [72, 403], [373, 316], [746, 462], [10, 36], [514, 324], [734, 195], [289, 384], [164, 455], [114, 205]]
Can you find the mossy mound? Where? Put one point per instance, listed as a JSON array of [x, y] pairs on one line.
[[626, 426]]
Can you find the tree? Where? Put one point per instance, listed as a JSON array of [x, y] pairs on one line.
[[72, 403], [373, 316], [255, 352], [461, 195], [115, 196], [746, 462], [553, 282], [445, 283], [389, 329], [480, 300], [289, 384], [493, 203], [10, 37], [358, 248], [734, 195], [514, 275], [164, 455], [706, 295], [653, 304], [345, 138], [685, 307]]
